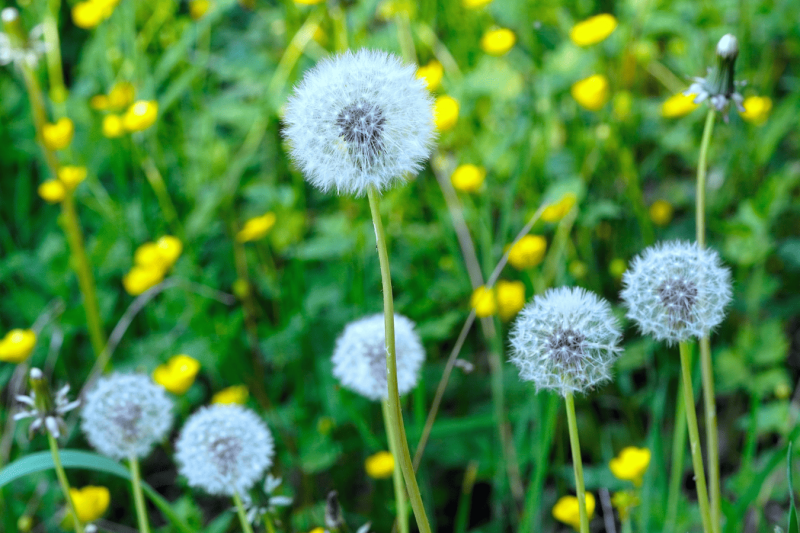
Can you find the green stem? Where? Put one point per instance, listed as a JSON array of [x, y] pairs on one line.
[[62, 480], [542, 443], [626, 525], [701, 179], [676, 468], [58, 92], [397, 476], [395, 416], [268, 525], [138, 497], [156, 182], [694, 437], [576, 462], [242, 514]]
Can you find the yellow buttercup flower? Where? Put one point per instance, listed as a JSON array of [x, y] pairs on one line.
[[178, 374], [106, 6], [140, 116], [468, 178], [170, 249], [198, 8], [593, 30], [566, 510], [557, 211], [678, 105], [149, 256], [432, 73], [756, 109], [630, 464], [58, 136], [87, 15], [317, 529], [71, 176], [140, 278], [256, 228], [475, 4], [527, 252], [379, 465], [308, 2], [113, 127], [591, 93], [90, 502], [52, 191], [661, 212], [617, 267], [235, 394], [510, 298], [484, 302], [445, 113], [121, 95], [17, 345], [498, 42]]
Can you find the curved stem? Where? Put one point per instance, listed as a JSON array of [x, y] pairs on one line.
[[700, 212], [138, 497], [397, 476], [577, 464], [62, 480], [242, 514], [395, 416]]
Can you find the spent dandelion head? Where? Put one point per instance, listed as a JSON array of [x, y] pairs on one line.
[[565, 340], [719, 85], [359, 120], [17, 47], [46, 409]]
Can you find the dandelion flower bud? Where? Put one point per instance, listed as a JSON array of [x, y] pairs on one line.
[[125, 415], [224, 449], [719, 86], [359, 360], [676, 290], [359, 120], [728, 47], [565, 341]]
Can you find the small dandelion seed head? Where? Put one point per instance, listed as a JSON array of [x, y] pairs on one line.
[[359, 120], [359, 359], [676, 290], [224, 449], [728, 47], [719, 87], [565, 340], [125, 415]]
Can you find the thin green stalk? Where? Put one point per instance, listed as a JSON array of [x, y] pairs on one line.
[[542, 442], [577, 464], [462, 513], [268, 525], [395, 415], [156, 182], [700, 212], [62, 480], [676, 468], [626, 525], [242, 514], [694, 437], [397, 476], [138, 497], [58, 92]]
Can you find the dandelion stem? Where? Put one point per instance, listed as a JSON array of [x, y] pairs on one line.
[[241, 512], [676, 468], [576, 462], [62, 480], [395, 416], [694, 437], [138, 497], [397, 475], [700, 215]]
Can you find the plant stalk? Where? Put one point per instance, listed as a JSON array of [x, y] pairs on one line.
[[401, 503], [138, 497], [242, 514], [62, 480], [576, 462]]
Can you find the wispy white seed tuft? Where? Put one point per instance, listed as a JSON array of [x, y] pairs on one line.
[[359, 360], [565, 341], [224, 449]]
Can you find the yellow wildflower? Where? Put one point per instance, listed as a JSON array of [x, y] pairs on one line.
[[475, 4], [71, 176], [113, 127], [432, 73], [235, 394], [99, 102], [308, 2], [630, 464], [317, 529], [468, 178], [557, 211], [445, 113], [498, 42], [170, 249], [106, 6], [678, 105], [661, 212], [90, 502], [178, 374], [379, 465], [58, 136], [52, 191], [593, 30], [484, 302], [510, 298], [617, 267], [592, 92], [149, 256], [756, 109], [140, 278], [527, 252], [256, 228], [87, 15], [566, 510], [141, 115], [198, 8], [623, 502], [121, 95], [17, 345]]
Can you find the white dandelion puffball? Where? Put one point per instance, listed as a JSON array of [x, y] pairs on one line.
[[359, 120], [359, 359], [565, 341], [676, 290], [224, 449], [125, 415]]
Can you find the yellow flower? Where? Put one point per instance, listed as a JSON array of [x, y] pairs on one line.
[[170, 249], [432, 73], [17, 345], [140, 278], [87, 15], [90, 502], [121, 95], [112, 126], [592, 92], [678, 105], [58, 136], [528, 252], [557, 211], [617, 267], [510, 298], [149, 256], [498, 42], [235, 394], [593, 30], [71, 176], [99, 102], [756, 109], [566, 510], [445, 113], [256, 228], [308, 2], [52, 191], [468, 178], [661, 212], [484, 302], [630, 464], [198, 8], [317, 529], [140, 116], [623, 502], [178, 374], [379, 465], [475, 4], [106, 6]]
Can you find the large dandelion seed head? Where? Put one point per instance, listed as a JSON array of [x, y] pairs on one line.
[[676, 290], [565, 340], [224, 449], [359, 359], [125, 415], [359, 120]]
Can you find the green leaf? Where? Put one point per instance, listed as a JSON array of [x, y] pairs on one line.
[[794, 521]]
